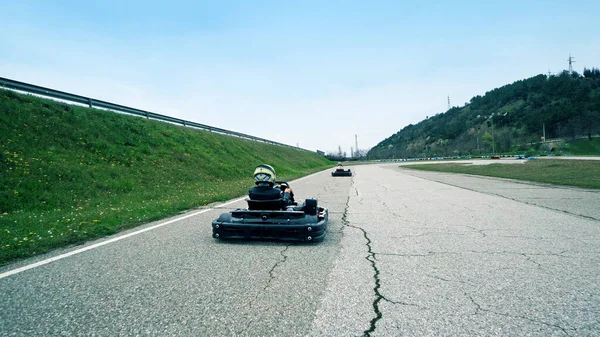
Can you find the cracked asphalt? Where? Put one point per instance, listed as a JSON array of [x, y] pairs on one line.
[[461, 255], [407, 253]]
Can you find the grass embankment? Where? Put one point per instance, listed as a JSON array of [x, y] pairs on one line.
[[71, 174], [583, 146], [579, 173]]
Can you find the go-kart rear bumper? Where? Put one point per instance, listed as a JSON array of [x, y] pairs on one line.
[[305, 232]]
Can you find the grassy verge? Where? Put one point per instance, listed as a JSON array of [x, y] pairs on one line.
[[583, 146], [70, 174], [579, 173]]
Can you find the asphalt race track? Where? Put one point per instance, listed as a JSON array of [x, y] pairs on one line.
[[408, 253]]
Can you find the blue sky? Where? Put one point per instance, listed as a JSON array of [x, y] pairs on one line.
[[313, 73]]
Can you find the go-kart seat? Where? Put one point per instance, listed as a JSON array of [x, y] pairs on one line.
[[265, 205], [310, 206]]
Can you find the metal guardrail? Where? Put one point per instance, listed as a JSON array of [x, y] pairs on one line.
[[96, 103]]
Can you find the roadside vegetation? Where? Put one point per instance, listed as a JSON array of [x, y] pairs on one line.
[[583, 146], [579, 173], [512, 119], [71, 174]]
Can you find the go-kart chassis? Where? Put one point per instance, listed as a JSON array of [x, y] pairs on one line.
[[268, 224]]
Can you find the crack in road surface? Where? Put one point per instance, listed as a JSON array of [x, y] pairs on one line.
[[480, 231], [389, 209], [430, 253], [271, 277], [378, 297], [479, 308], [371, 258], [426, 254], [448, 280]]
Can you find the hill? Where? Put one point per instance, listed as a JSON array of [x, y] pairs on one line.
[[510, 118], [71, 173]]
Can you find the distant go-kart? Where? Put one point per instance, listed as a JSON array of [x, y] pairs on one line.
[[272, 219], [340, 172]]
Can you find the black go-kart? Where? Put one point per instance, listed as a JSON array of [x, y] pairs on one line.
[[340, 172], [272, 219]]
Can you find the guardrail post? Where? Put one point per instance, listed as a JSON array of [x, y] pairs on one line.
[[90, 103]]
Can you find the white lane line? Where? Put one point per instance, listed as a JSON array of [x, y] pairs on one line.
[[100, 244]]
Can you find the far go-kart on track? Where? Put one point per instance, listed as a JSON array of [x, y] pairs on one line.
[[341, 172]]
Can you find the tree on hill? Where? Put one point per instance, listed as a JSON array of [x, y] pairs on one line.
[[566, 105]]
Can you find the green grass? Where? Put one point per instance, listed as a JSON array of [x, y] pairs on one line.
[[583, 146], [579, 173], [70, 174]]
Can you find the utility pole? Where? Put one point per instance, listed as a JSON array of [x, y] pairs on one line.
[[543, 133], [356, 143], [448, 102], [493, 141], [571, 61]]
